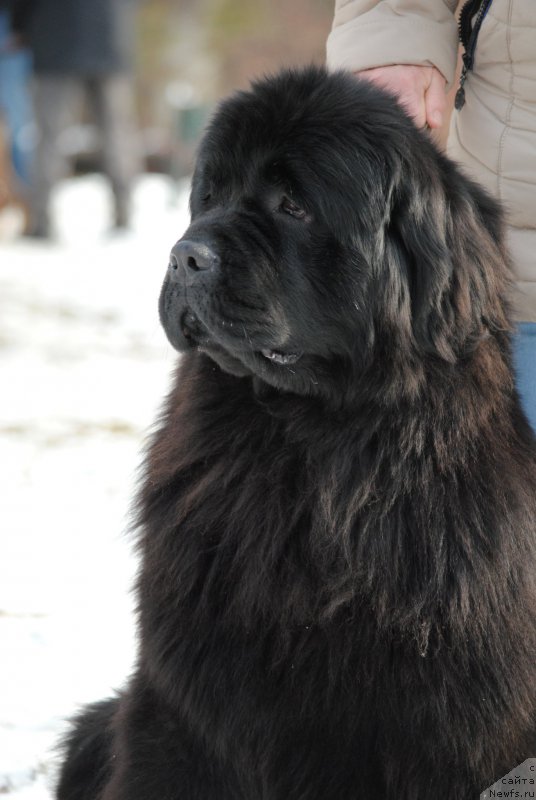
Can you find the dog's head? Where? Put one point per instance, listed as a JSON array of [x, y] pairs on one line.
[[329, 238]]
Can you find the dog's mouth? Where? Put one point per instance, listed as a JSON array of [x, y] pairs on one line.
[[277, 357], [195, 332]]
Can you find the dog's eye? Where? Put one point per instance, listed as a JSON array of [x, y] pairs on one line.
[[288, 207], [206, 198]]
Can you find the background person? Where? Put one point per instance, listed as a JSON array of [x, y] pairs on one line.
[[80, 46], [410, 48]]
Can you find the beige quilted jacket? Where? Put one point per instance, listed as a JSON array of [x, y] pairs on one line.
[[494, 134]]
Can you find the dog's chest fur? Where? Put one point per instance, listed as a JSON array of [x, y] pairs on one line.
[[277, 596]]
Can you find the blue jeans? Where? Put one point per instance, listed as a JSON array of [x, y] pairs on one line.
[[16, 103], [525, 366]]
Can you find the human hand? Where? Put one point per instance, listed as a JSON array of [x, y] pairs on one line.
[[420, 89]]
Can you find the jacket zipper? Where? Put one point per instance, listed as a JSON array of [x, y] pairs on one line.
[[468, 35]]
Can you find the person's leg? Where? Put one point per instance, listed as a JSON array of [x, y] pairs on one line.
[[16, 107], [525, 366], [113, 102], [54, 99]]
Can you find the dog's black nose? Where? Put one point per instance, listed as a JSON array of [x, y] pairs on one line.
[[190, 258]]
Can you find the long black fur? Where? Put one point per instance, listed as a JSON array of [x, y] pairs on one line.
[[337, 592]]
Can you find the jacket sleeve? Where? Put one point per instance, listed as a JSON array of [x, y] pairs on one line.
[[376, 33]]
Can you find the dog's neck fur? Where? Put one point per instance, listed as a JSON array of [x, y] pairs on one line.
[[350, 536]]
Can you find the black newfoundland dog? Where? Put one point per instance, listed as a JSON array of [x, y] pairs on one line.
[[338, 519]]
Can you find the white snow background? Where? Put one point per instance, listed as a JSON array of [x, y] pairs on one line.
[[84, 366]]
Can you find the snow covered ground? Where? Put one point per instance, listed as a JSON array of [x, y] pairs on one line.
[[83, 368]]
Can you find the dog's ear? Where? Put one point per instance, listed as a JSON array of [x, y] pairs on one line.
[[444, 236]]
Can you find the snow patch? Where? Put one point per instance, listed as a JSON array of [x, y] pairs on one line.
[[84, 367]]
